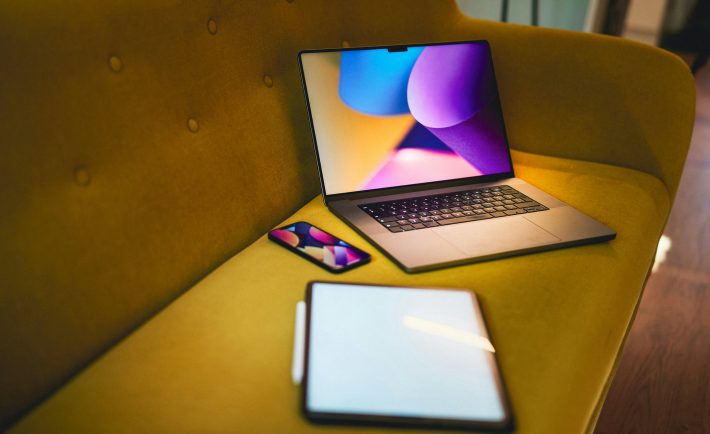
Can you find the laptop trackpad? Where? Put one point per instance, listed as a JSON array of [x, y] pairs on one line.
[[494, 236]]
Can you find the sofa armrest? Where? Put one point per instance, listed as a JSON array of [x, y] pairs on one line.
[[591, 97]]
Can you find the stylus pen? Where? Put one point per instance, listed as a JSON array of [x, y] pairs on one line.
[[298, 341]]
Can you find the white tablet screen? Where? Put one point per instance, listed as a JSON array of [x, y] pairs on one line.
[[405, 352]]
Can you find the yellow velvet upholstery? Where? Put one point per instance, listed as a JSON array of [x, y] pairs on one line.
[[218, 358], [140, 138]]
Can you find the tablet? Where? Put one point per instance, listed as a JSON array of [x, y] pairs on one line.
[[400, 356]]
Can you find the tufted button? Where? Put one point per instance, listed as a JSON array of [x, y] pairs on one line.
[[82, 176], [192, 125], [114, 62], [345, 44], [212, 26], [268, 81]]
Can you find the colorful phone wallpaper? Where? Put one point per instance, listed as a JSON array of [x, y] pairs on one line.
[[322, 246], [385, 119]]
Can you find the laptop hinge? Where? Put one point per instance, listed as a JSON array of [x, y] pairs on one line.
[[357, 195]]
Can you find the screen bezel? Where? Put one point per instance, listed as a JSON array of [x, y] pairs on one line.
[[507, 424], [409, 187]]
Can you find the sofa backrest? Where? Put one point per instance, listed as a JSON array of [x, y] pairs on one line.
[[144, 142]]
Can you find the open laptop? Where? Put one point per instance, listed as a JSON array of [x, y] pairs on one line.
[[413, 154]]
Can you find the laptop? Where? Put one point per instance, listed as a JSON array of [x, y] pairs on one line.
[[413, 154]]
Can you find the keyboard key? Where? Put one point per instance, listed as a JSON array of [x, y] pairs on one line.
[[498, 214], [396, 229], [527, 204], [407, 227], [537, 208], [387, 219], [431, 224], [418, 226], [464, 219], [457, 214]]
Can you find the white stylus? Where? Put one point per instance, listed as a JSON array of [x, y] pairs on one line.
[[298, 343]]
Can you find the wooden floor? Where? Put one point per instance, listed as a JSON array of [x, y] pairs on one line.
[[663, 381]]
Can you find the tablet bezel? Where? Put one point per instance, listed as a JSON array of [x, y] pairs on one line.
[[507, 424]]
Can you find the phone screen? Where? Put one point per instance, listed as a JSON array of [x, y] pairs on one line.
[[319, 246]]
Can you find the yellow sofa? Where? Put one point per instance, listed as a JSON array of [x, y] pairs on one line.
[[147, 146]]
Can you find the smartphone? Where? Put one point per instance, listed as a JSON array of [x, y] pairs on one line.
[[319, 247]]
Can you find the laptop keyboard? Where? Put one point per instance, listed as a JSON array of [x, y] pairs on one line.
[[451, 208]]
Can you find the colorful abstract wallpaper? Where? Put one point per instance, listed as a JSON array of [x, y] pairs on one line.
[[386, 119], [319, 245]]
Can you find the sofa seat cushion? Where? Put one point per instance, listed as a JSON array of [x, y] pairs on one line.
[[218, 358]]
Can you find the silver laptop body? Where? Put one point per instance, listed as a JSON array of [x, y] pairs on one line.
[[413, 155]]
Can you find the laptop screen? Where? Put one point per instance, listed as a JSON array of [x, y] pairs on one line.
[[406, 115]]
